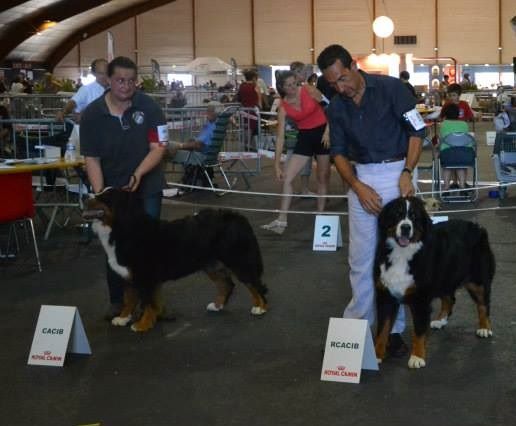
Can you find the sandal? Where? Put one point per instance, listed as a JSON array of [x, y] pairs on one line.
[[276, 226]]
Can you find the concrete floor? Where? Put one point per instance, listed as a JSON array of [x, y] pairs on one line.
[[233, 369]]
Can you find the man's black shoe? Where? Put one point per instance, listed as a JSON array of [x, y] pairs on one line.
[[396, 347]]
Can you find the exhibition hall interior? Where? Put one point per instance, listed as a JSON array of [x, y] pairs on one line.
[[259, 212]]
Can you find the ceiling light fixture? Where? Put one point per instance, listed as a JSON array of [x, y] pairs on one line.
[[383, 26]]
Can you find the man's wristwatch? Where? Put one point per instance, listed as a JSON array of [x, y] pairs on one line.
[[407, 170]]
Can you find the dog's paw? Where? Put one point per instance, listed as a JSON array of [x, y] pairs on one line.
[[484, 332], [121, 321], [139, 328], [212, 307], [258, 310], [438, 324], [416, 362]]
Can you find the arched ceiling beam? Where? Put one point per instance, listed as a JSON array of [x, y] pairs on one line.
[[25, 27], [96, 27], [8, 4]]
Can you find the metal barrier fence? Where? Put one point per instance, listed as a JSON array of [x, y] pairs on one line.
[[23, 106], [190, 97], [41, 105], [27, 136]]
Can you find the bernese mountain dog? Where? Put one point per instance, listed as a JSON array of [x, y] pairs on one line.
[[416, 262], [146, 252]]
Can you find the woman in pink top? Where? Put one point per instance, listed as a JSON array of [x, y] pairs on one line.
[[301, 104]]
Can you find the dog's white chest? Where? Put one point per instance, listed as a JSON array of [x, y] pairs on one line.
[[103, 232], [397, 277]]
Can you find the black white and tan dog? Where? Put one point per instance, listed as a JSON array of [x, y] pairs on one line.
[[146, 252], [417, 262]]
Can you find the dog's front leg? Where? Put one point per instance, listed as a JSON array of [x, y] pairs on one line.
[[386, 309], [130, 301], [420, 310], [152, 307]]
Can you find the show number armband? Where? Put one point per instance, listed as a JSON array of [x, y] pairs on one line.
[[414, 119], [159, 135]]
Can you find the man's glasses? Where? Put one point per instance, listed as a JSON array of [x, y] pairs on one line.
[[125, 81]]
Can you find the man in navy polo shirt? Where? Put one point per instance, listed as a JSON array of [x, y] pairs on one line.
[[123, 139], [369, 125]]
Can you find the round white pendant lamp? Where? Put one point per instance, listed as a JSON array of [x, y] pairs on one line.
[[383, 26]]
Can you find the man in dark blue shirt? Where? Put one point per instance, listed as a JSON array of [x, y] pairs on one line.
[[369, 126]]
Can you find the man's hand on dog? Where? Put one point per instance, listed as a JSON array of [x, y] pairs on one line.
[[133, 184]]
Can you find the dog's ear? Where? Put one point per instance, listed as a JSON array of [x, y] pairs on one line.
[[422, 215]]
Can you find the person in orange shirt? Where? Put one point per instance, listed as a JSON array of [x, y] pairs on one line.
[[302, 105]]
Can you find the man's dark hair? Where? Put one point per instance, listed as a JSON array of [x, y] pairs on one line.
[[95, 63], [281, 77], [330, 54], [249, 75], [405, 75], [121, 62], [451, 112], [455, 88]]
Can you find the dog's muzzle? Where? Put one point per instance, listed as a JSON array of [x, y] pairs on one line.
[[404, 233], [93, 214]]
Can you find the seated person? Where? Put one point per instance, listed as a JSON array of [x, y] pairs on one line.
[[465, 112], [456, 155], [194, 151]]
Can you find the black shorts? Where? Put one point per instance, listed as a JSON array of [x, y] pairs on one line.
[[309, 142], [457, 156]]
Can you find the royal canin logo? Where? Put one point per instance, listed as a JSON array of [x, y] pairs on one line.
[[340, 367]]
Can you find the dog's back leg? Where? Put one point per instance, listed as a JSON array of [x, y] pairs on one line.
[[481, 295], [258, 291], [479, 288], [248, 271], [221, 276], [447, 303]]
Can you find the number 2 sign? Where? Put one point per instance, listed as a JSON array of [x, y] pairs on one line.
[[327, 234]]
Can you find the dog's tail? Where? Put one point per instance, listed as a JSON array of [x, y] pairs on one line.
[[485, 252]]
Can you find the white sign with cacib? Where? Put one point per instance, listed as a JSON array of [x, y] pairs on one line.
[[59, 330], [349, 350], [327, 234]]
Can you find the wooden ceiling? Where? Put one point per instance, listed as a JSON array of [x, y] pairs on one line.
[[44, 31]]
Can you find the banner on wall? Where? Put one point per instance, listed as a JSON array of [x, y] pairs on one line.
[[110, 46]]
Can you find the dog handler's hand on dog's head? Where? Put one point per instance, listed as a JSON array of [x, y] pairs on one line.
[[368, 197], [406, 186]]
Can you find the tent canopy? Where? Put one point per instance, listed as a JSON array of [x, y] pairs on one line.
[[207, 65]]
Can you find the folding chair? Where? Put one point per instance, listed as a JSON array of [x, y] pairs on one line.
[[17, 207], [209, 159], [461, 154]]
